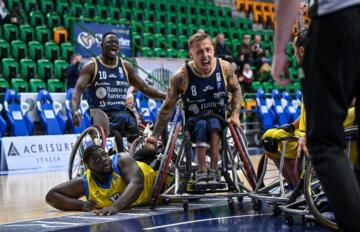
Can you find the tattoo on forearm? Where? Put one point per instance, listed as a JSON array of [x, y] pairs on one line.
[[235, 89]]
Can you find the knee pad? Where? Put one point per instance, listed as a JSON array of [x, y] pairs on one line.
[[270, 144]]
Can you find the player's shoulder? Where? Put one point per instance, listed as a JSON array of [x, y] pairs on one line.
[[179, 79], [226, 66]]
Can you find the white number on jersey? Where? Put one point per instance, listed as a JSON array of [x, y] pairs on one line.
[[193, 90], [102, 75]]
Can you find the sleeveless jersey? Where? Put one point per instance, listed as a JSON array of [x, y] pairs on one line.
[[106, 195], [205, 95], [108, 89]]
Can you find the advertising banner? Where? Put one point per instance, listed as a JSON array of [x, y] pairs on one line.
[[34, 152], [87, 37], [160, 68]]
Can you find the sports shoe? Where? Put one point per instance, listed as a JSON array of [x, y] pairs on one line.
[[214, 177], [201, 178]]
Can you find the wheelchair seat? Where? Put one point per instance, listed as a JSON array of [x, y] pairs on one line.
[[265, 112], [17, 114], [83, 108], [50, 114]]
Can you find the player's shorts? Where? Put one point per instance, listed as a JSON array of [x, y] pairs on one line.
[[124, 123], [202, 128], [291, 146]]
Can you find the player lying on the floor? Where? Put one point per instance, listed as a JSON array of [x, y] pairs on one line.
[[109, 184]]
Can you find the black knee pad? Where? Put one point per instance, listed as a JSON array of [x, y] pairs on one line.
[[270, 144]]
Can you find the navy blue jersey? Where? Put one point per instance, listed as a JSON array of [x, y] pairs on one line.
[[205, 95], [108, 89]]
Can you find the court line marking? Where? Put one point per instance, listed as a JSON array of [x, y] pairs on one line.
[[204, 220]]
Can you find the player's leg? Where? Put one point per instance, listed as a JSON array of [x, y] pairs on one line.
[[215, 128], [199, 136]]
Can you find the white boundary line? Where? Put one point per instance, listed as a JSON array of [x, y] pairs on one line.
[[204, 220]]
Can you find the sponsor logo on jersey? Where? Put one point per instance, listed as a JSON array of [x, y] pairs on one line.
[[101, 93], [208, 88], [112, 76]]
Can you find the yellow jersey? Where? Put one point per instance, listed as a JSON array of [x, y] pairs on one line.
[[106, 194]]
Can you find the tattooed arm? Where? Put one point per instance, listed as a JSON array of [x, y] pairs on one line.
[[166, 111], [235, 90]]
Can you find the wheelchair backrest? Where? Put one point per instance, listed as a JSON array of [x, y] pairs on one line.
[[100, 118], [50, 114], [17, 114], [83, 108]]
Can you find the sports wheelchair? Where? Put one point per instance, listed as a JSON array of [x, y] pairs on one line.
[[176, 160]]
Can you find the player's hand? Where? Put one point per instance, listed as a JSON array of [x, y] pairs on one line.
[[280, 66], [76, 117], [89, 205], [111, 210], [302, 8], [301, 146], [235, 119], [150, 143]]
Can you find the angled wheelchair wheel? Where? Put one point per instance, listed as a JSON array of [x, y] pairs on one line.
[[317, 201], [240, 151], [164, 166], [92, 135]]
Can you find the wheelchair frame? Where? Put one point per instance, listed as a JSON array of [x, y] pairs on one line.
[[182, 168]]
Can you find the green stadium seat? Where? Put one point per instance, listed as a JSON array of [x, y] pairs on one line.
[[68, 21], [47, 6], [53, 20], [60, 67], [26, 33], [36, 85], [36, 18], [255, 85], [27, 69], [55, 86], [11, 32], [170, 28], [172, 41], [182, 18], [182, 53], [160, 41], [67, 50], [10, 68], [136, 27], [103, 11], [20, 85], [45, 69], [171, 17], [36, 50], [42, 34], [149, 15], [12, 4], [76, 9], [52, 51], [148, 40], [160, 16], [31, 5], [18, 49], [62, 7], [182, 29], [182, 42], [115, 13], [170, 52], [267, 86], [90, 11], [4, 49], [296, 85], [159, 52], [149, 27], [147, 52], [160, 27], [4, 85]]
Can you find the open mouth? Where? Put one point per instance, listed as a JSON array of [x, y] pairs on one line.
[[206, 64], [113, 51]]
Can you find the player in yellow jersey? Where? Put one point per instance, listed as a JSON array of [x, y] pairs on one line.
[[109, 184]]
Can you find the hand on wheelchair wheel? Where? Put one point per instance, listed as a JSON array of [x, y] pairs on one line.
[[76, 117], [150, 143]]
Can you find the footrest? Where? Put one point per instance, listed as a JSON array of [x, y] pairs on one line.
[[203, 187]]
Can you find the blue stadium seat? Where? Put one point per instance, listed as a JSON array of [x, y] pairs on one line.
[[50, 114], [17, 115], [265, 112], [142, 105], [3, 124], [282, 117], [290, 109], [84, 109]]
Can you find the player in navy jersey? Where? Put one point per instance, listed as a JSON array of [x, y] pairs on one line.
[[108, 78], [204, 84]]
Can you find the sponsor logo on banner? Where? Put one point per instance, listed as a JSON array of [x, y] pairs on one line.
[[86, 40], [31, 152]]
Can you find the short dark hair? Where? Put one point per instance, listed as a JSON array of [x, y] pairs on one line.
[[106, 34], [301, 38], [90, 150]]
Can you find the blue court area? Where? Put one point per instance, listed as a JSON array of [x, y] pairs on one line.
[[203, 215]]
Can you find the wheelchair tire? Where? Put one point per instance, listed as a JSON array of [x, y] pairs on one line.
[[308, 192], [241, 150], [164, 165], [91, 135], [136, 145]]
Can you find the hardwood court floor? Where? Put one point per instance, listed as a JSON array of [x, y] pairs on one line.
[[22, 196]]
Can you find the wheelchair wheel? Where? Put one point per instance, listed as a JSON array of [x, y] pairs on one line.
[[164, 165], [317, 201], [92, 135], [240, 151], [268, 176], [137, 145]]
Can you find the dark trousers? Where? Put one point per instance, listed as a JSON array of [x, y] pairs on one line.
[[332, 71]]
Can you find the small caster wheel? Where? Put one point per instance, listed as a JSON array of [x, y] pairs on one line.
[[166, 200], [240, 199], [185, 206], [231, 204], [256, 204], [276, 209], [289, 220]]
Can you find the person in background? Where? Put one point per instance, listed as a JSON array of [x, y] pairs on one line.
[[73, 71]]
